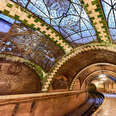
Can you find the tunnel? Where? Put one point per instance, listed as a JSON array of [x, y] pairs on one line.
[[57, 57]]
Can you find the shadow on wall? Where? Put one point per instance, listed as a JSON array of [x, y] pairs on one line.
[[60, 83], [17, 78]]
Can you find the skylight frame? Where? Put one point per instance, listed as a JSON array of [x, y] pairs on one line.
[[57, 23]]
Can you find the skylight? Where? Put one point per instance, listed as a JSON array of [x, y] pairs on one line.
[[67, 17], [109, 7], [6, 22]]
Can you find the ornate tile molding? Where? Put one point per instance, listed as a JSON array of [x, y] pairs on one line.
[[75, 52], [96, 15], [30, 64]]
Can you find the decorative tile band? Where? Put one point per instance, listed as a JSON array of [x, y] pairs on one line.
[[72, 54], [30, 64], [96, 15]]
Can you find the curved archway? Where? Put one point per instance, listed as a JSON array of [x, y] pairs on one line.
[[90, 70], [96, 73], [70, 65]]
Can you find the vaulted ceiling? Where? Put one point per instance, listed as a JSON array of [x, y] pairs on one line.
[[44, 34]]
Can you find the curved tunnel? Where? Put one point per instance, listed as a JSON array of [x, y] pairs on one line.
[[81, 65], [51, 51]]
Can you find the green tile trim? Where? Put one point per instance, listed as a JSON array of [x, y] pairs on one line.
[[67, 57], [30, 64], [100, 16], [9, 5], [6, 12]]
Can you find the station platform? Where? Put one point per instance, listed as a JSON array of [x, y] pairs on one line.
[[108, 108]]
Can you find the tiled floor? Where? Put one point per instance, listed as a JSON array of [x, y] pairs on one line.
[[109, 106]]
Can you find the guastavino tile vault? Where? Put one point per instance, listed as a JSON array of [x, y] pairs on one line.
[[57, 57]]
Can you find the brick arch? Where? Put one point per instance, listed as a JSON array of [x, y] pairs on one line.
[[96, 73], [81, 57], [30, 64], [89, 70]]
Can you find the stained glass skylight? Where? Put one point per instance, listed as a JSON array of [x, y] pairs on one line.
[[66, 16], [6, 23], [109, 7]]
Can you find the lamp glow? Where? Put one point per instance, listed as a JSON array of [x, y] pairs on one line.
[[102, 76]]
